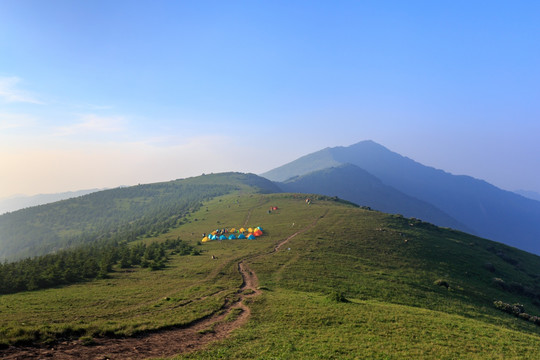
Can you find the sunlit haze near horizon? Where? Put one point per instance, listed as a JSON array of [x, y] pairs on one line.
[[105, 93]]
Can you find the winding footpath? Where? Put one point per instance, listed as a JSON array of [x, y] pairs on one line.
[[163, 343]]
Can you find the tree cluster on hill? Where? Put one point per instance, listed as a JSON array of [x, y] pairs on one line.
[[117, 215], [85, 263]]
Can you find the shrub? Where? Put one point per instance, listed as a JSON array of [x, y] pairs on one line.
[[517, 310], [87, 341], [338, 296], [500, 283], [441, 282]]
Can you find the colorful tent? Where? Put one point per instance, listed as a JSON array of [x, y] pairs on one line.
[[233, 233]]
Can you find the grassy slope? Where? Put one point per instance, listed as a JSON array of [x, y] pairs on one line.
[[395, 310]]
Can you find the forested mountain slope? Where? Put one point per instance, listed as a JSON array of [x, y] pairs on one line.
[[118, 214]]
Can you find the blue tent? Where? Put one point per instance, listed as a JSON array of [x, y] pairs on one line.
[[222, 237], [251, 237], [232, 237], [241, 236]]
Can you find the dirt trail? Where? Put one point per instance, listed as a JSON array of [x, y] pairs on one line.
[[248, 217], [280, 244], [163, 343]]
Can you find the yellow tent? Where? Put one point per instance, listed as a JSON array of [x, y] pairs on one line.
[[232, 230], [242, 230], [205, 239], [250, 230]]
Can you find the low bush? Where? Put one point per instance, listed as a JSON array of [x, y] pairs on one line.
[[338, 296], [518, 310], [441, 282]]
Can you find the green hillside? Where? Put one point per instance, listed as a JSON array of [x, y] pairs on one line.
[[328, 280], [117, 214]]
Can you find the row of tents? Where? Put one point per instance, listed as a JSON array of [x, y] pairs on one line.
[[232, 234]]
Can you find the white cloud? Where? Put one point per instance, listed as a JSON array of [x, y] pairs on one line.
[[92, 123], [13, 121], [9, 92]]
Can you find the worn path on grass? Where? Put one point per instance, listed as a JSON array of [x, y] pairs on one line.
[[167, 342], [164, 343]]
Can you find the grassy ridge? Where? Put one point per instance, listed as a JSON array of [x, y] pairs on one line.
[[384, 265], [387, 267]]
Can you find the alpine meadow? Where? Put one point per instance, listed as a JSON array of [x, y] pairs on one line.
[[325, 279], [269, 180]]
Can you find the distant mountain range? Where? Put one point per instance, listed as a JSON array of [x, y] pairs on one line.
[[365, 173], [529, 194], [14, 203], [372, 175], [352, 183]]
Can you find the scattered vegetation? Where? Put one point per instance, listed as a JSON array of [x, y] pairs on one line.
[[517, 310]]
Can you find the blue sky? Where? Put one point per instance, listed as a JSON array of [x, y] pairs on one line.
[[107, 93]]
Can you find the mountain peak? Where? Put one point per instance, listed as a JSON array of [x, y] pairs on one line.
[[489, 211]]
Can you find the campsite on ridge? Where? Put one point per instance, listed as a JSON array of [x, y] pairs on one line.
[[269, 180], [314, 285]]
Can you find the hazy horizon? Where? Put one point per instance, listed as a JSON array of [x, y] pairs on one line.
[[102, 94]]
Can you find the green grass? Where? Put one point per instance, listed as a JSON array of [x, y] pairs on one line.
[[288, 324], [385, 266], [128, 303]]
